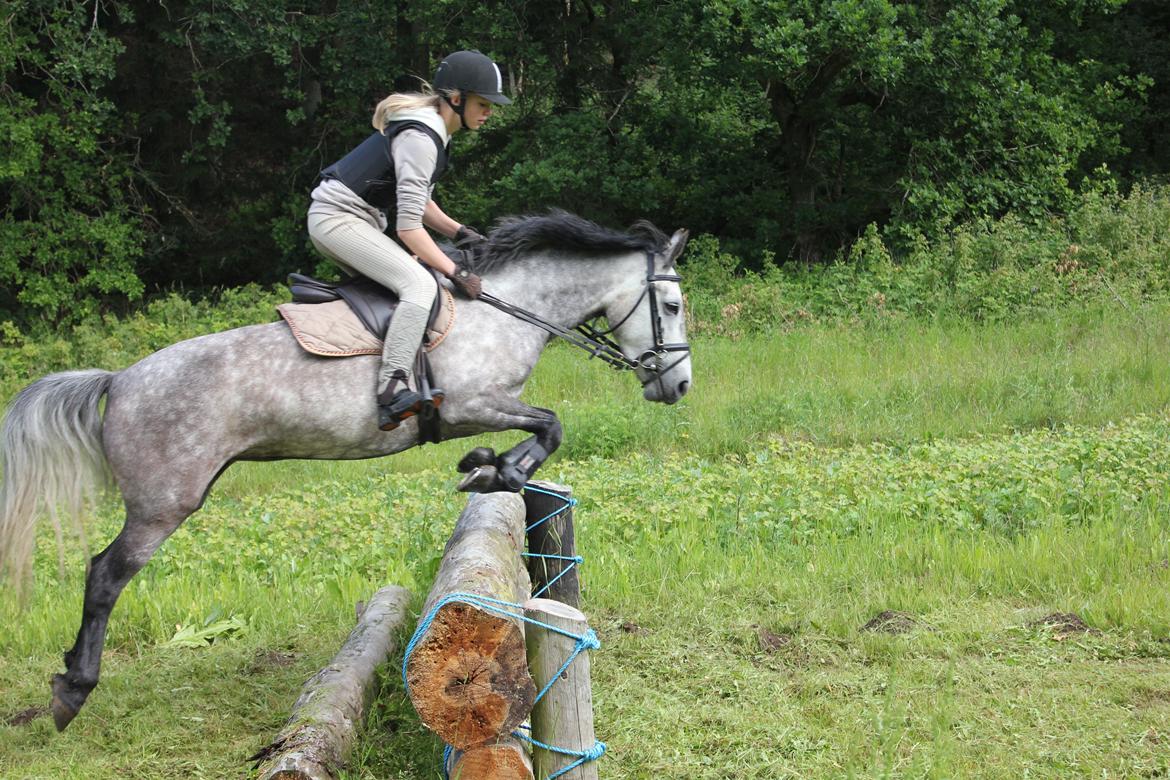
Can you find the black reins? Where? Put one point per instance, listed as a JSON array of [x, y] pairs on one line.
[[600, 343]]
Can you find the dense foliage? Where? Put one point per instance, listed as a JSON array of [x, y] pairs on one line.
[[160, 146]]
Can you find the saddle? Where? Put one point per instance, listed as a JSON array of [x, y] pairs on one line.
[[349, 318]]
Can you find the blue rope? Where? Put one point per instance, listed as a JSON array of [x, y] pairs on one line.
[[569, 503], [576, 559], [586, 641], [582, 756]]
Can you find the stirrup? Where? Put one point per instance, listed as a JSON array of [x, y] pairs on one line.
[[405, 404]]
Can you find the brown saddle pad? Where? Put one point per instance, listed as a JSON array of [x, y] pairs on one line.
[[333, 330]]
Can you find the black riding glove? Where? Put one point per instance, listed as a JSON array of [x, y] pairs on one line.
[[467, 282], [467, 237]]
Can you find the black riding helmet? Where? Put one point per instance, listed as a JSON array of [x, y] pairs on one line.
[[469, 71]]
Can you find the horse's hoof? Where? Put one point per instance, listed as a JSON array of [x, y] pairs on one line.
[[63, 713], [480, 456], [482, 479]]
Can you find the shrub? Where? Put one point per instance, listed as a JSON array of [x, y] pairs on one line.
[[1110, 247]]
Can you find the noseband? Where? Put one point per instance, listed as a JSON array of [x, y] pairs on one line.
[[601, 344]]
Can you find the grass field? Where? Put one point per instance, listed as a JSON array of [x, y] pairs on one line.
[[835, 558]]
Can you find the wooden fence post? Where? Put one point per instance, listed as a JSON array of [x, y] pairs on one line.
[[564, 716], [555, 536]]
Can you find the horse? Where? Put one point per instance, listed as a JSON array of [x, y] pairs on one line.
[[175, 420]]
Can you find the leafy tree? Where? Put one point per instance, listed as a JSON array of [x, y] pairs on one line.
[[152, 146], [70, 217], [922, 113]]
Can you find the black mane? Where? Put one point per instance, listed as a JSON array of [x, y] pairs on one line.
[[558, 229]]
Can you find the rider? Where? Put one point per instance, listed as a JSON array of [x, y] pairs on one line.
[[393, 172]]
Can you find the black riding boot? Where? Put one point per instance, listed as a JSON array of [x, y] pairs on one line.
[[398, 402]]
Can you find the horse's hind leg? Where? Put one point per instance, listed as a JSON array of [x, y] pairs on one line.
[[109, 573]]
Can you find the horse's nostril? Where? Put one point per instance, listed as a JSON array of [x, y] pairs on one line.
[[683, 387]]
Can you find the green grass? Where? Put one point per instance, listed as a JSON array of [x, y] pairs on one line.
[[908, 381], [974, 479]]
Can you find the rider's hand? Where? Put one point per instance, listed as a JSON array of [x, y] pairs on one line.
[[467, 237], [467, 282]]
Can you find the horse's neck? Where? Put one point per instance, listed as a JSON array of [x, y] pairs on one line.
[[564, 289]]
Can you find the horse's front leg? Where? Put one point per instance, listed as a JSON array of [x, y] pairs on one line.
[[487, 472]]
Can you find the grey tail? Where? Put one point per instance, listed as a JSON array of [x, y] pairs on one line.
[[51, 450]]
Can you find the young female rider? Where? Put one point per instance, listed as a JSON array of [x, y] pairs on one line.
[[392, 174]]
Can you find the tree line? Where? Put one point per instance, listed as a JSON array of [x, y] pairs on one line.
[[172, 145]]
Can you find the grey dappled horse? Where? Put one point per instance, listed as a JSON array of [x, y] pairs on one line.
[[176, 419]]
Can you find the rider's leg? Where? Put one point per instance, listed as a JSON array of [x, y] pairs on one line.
[[364, 249], [396, 399]]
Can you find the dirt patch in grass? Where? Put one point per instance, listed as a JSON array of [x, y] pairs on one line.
[[25, 717], [891, 622], [773, 643], [630, 627], [264, 660], [1149, 698], [1063, 625]]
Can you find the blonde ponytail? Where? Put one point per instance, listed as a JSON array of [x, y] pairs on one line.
[[404, 101]]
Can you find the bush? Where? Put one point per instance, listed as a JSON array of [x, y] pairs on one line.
[[113, 342], [1110, 247]]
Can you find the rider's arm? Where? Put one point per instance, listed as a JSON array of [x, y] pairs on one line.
[[414, 162], [419, 242], [436, 219]]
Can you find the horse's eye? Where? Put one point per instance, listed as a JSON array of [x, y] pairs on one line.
[[673, 308]]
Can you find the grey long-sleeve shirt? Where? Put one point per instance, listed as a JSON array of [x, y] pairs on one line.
[[415, 157]]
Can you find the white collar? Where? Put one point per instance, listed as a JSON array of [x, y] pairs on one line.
[[428, 116]]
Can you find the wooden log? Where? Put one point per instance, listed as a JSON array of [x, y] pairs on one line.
[[333, 703], [552, 537], [564, 717], [506, 758], [468, 673]]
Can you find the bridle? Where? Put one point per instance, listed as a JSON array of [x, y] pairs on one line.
[[601, 344]]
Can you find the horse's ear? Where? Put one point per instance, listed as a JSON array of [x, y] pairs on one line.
[[674, 247]]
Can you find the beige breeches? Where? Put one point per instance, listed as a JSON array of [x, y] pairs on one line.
[[357, 245]]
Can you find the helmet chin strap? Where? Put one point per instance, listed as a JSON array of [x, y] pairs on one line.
[[458, 109]]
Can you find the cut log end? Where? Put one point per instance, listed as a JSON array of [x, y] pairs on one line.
[[468, 679], [504, 760]]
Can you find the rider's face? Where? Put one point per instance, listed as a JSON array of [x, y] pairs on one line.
[[477, 111]]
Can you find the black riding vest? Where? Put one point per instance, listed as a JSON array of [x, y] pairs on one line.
[[368, 170]]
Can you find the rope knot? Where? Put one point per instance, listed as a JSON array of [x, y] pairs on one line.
[[595, 752], [590, 641]]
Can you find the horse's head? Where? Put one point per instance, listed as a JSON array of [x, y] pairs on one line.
[[651, 324], [629, 278]]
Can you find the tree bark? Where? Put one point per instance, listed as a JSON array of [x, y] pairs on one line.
[[554, 536], [333, 703], [468, 674], [564, 717]]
